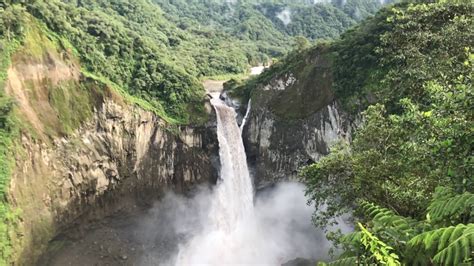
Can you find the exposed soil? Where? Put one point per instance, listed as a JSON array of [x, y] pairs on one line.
[[27, 84]]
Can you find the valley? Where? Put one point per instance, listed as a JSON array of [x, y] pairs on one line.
[[158, 132]]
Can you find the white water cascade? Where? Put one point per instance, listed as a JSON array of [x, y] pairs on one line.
[[235, 230], [246, 117], [232, 235], [233, 202]]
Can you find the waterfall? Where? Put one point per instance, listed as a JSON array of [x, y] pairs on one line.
[[234, 193], [231, 226], [234, 231], [247, 113]]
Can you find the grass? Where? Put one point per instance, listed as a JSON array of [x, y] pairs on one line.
[[310, 93], [35, 42], [197, 114], [8, 47]]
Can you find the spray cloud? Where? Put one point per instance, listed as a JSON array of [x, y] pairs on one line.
[[228, 226], [282, 216]]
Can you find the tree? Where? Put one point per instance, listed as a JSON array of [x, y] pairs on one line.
[[397, 161], [12, 21], [414, 242], [301, 43]]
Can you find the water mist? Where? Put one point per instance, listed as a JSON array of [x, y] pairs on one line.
[[227, 225]]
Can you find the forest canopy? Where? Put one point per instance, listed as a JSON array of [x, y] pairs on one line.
[[158, 50], [408, 173]]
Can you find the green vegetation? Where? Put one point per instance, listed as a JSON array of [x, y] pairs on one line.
[[394, 54], [26, 39], [388, 57], [151, 58], [407, 173], [313, 21], [308, 73], [73, 105], [293, 62], [110, 40], [160, 56], [397, 161], [445, 237], [9, 28], [271, 23], [8, 217]]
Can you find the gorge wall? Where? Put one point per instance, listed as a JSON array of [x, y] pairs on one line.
[[294, 120], [83, 150], [86, 149]]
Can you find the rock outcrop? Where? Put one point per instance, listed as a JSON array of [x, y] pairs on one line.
[[293, 122], [113, 154]]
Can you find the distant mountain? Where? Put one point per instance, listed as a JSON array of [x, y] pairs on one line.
[[262, 20]]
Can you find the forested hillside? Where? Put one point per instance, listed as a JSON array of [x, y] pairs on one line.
[[406, 74], [160, 55], [153, 53], [264, 29], [408, 173]]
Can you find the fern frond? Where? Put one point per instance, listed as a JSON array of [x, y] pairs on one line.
[[450, 208], [398, 226], [448, 246]]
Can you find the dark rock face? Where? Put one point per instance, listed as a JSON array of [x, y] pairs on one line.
[[278, 149], [123, 157], [294, 120]]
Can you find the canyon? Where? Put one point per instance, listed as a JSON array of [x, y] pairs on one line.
[[153, 132], [122, 158], [155, 234]]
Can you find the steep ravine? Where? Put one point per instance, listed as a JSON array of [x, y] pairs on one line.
[[85, 152], [114, 155]]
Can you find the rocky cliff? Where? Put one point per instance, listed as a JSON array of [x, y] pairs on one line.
[[294, 120], [84, 150]]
